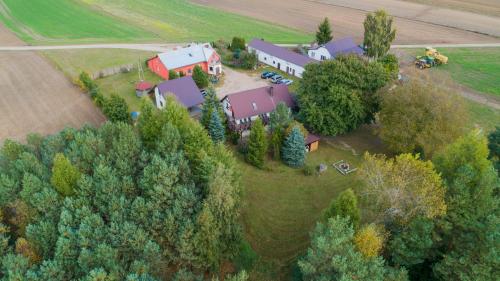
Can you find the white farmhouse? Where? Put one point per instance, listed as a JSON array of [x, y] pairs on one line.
[[334, 48], [279, 57]]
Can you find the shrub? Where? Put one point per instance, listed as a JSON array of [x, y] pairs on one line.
[[238, 43], [309, 170]]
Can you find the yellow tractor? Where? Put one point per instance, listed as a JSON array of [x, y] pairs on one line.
[[440, 59]]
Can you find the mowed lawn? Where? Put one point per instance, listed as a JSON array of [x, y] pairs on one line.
[[282, 205], [55, 21], [73, 62], [476, 68]]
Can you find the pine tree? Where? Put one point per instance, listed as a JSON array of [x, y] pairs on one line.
[[379, 34], [324, 33], [200, 77], [293, 152], [345, 205], [257, 144], [216, 129]]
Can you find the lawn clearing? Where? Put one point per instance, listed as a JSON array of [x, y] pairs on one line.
[[123, 85], [182, 21], [282, 205], [483, 116], [73, 62], [57, 21], [476, 68]]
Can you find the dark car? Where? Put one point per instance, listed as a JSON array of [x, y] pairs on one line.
[[267, 74]]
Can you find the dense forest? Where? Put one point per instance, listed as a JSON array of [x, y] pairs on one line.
[[115, 204]]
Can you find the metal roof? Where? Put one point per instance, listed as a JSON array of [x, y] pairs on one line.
[[280, 52], [189, 55], [184, 89]]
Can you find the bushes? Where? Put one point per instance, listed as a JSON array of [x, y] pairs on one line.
[[238, 44], [200, 77], [116, 108]]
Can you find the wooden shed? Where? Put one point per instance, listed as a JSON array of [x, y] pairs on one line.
[[312, 143]]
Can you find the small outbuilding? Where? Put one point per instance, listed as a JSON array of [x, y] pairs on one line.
[[312, 143], [143, 88], [333, 49], [184, 89]]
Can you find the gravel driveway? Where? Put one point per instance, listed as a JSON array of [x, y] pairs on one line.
[[236, 81]]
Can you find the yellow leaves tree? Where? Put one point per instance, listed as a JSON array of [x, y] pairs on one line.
[[24, 248], [403, 187], [64, 175], [369, 241]]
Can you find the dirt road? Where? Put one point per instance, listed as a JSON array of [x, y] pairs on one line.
[[306, 14], [34, 97]]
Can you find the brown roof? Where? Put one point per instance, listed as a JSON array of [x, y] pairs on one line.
[[259, 101], [311, 138]]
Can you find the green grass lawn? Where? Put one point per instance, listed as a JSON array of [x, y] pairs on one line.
[[476, 68], [73, 21], [73, 62], [282, 205], [483, 116], [123, 84], [51, 21]]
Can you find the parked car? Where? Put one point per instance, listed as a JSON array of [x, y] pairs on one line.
[[276, 79], [203, 92], [287, 82], [267, 74]]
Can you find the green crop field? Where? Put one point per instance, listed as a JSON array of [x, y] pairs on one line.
[[282, 205], [46, 21], [73, 21], [181, 21]]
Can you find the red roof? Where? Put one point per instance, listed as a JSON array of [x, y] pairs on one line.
[[259, 101], [143, 86]]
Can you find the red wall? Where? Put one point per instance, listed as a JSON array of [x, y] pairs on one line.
[[157, 67]]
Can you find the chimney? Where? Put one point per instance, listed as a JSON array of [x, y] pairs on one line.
[[271, 91]]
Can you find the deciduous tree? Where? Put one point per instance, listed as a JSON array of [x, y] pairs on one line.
[[420, 117], [64, 175], [369, 241], [200, 77], [403, 188], [238, 43], [379, 34], [172, 74], [116, 109], [494, 147]]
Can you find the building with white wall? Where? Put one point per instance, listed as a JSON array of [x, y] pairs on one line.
[[279, 57]]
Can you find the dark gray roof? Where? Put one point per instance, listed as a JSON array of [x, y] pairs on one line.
[[343, 46], [280, 52], [184, 89]]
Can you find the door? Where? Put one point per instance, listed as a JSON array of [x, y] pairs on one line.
[[279, 66], [287, 70]]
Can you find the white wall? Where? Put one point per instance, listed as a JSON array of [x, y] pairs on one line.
[[316, 54], [159, 99], [274, 61]]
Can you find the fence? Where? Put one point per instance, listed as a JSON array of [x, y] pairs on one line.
[[113, 70]]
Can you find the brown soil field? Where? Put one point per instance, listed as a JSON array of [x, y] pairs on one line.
[[484, 7], [347, 21], [34, 97]]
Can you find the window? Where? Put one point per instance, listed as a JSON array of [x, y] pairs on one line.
[[265, 58], [211, 68], [254, 105], [313, 54], [190, 70]]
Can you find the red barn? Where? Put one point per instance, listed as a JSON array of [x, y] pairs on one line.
[[185, 59]]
